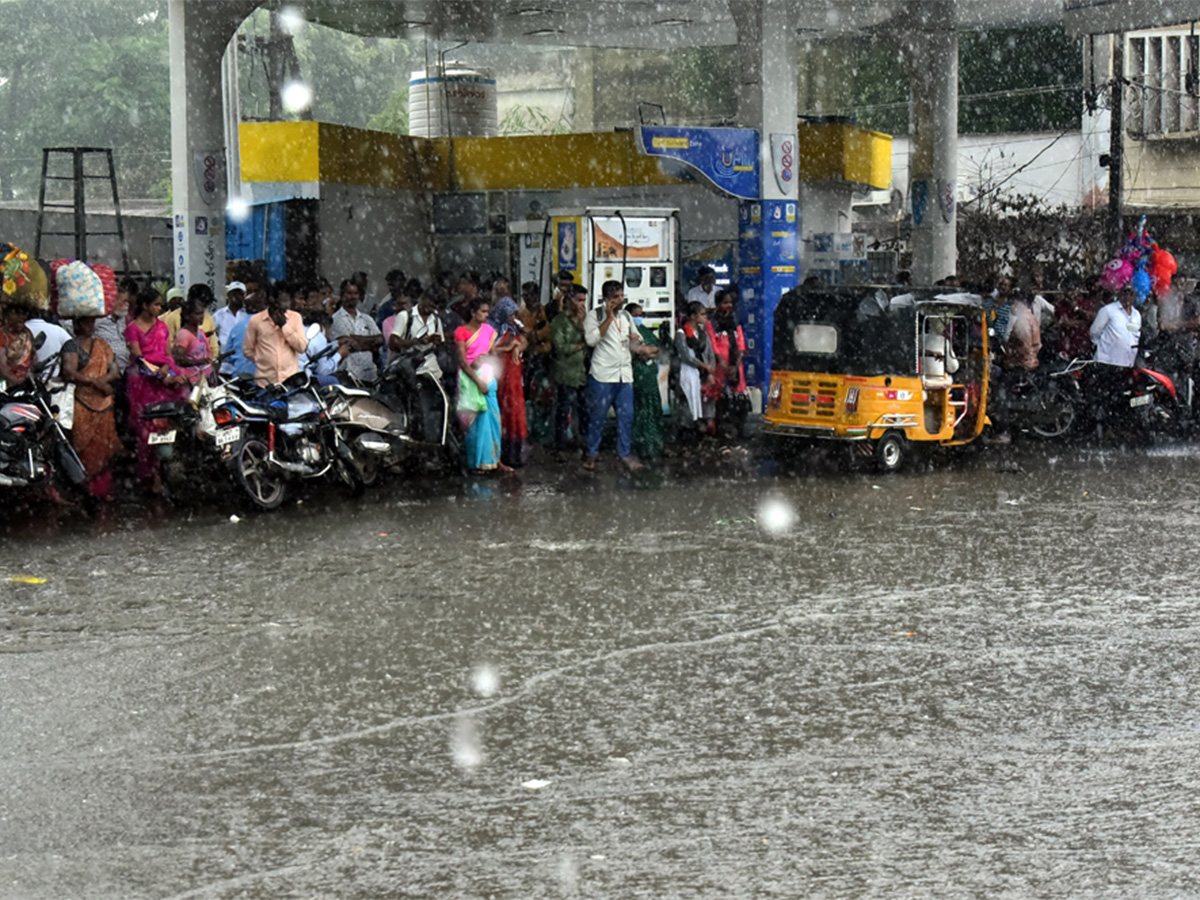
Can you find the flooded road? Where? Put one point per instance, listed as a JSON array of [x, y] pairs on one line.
[[975, 681]]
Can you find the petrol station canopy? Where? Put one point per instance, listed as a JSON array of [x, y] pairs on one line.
[[648, 24]]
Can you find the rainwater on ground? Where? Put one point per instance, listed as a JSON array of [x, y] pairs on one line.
[[975, 680]]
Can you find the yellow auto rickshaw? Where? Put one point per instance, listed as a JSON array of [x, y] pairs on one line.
[[886, 368]]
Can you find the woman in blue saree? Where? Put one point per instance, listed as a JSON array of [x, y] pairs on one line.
[[478, 396]]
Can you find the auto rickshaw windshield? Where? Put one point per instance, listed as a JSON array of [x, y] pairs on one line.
[[845, 332]]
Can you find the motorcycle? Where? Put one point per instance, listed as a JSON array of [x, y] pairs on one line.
[[186, 436], [1135, 404], [1048, 401], [34, 448], [283, 433], [406, 415]]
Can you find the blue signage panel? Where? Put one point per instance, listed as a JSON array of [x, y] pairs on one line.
[[768, 253], [728, 157]]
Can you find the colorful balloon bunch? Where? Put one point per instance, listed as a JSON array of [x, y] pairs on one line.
[[1142, 264]]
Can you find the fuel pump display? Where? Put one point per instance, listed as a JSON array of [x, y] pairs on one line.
[[638, 247]]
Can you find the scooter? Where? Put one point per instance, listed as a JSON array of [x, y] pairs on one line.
[[1137, 404], [406, 416]]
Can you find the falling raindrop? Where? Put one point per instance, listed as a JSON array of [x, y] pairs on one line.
[[466, 745], [776, 516], [237, 210], [292, 20], [297, 97], [485, 680]]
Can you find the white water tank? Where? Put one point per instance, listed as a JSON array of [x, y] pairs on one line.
[[457, 101]]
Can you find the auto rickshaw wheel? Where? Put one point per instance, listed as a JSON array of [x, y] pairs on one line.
[[891, 451]]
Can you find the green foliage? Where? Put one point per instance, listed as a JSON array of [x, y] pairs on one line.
[[1021, 234], [532, 120], [394, 115], [701, 83], [1018, 62], [353, 79], [1009, 80], [85, 74], [879, 91]]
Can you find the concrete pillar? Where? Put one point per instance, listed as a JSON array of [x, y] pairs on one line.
[[199, 33], [768, 228], [584, 119], [932, 62], [1097, 120]]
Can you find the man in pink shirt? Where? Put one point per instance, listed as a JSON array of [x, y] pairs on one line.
[[274, 341]]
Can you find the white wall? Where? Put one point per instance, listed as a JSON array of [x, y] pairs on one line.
[[373, 230], [1046, 164]]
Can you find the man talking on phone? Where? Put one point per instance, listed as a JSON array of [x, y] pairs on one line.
[[613, 337]]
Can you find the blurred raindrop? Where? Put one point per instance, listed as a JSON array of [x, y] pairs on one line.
[[485, 680], [776, 516], [291, 20], [568, 875], [297, 97], [466, 745], [237, 210]]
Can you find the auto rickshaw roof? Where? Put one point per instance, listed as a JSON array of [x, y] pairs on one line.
[[891, 297]]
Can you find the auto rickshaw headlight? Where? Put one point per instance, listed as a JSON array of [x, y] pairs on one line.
[[852, 400], [776, 394]]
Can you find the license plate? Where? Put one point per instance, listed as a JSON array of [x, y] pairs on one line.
[[227, 436], [1143, 400], [162, 437]]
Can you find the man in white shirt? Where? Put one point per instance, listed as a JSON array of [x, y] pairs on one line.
[[56, 337], [1117, 330], [420, 330], [230, 314], [704, 291], [61, 393], [419, 333], [358, 330], [610, 382]]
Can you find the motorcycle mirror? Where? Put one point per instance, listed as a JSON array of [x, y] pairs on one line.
[[312, 331]]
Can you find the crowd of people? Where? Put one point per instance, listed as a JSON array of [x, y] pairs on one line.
[[1115, 329], [518, 372]]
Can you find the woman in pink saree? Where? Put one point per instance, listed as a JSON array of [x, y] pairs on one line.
[[478, 402], [192, 353], [151, 378]]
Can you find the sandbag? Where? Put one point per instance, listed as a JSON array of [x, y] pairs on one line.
[[108, 280], [80, 292]]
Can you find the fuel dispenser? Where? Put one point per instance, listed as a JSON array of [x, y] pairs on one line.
[[638, 247]]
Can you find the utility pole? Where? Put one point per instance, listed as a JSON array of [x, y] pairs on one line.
[[1116, 149]]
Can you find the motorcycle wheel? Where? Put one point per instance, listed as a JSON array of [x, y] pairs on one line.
[[1058, 417], [368, 470], [1165, 419], [455, 456], [349, 475], [261, 481], [70, 465]]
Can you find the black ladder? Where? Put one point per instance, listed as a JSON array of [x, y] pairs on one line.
[[79, 177]]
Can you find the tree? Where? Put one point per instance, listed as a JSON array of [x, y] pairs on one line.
[[85, 74], [1021, 233], [1016, 79], [394, 115]]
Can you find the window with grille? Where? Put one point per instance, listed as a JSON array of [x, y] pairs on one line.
[[1161, 95]]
